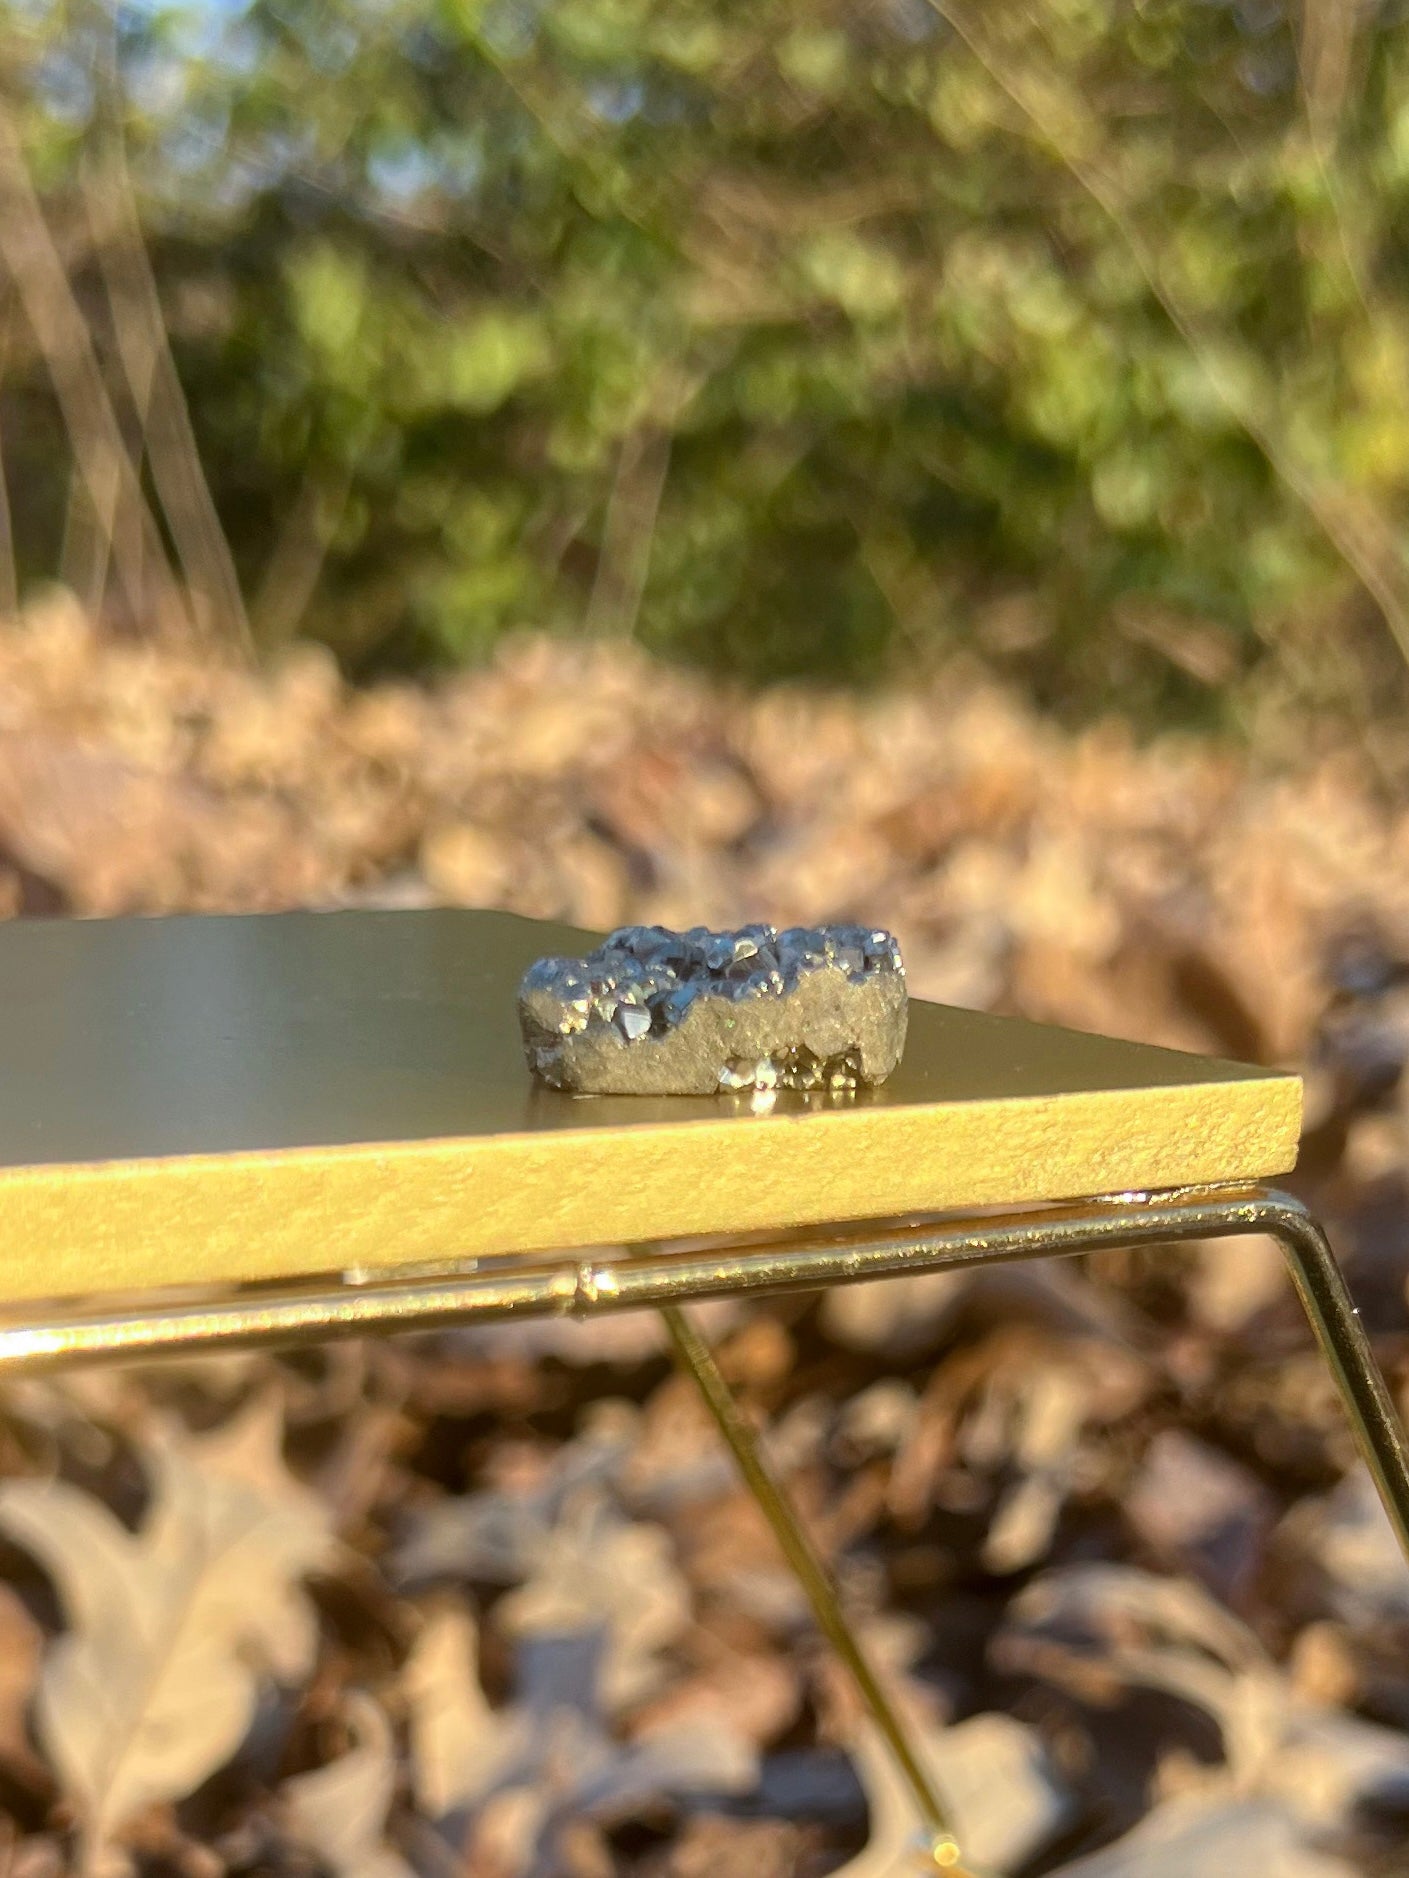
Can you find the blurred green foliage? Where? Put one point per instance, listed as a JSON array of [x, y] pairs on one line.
[[791, 336]]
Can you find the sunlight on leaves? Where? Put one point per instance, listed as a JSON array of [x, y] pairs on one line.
[[173, 1628]]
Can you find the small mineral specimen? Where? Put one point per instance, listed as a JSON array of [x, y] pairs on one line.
[[652, 1012]]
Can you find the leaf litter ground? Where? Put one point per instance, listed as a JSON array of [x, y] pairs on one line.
[[492, 1602]]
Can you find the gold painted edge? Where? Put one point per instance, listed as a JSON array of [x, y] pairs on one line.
[[283, 1213]]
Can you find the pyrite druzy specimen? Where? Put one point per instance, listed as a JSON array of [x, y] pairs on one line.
[[652, 1012]]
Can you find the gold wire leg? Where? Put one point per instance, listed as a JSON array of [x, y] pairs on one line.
[[1338, 1329], [695, 1356]]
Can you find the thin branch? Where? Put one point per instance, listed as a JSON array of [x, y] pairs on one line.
[[100, 454], [643, 464], [1325, 57], [296, 565], [633, 509], [9, 570], [85, 547], [155, 387]]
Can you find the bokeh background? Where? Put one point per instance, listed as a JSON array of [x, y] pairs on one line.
[[654, 459]]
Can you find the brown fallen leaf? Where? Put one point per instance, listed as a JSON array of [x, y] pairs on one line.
[[21, 1645], [339, 1811], [172, 1629], [1088, 1624], [1314, 1766], [1002, 1798], [711, 1846], [1050, 1412], [898, 1315], [1233, 1280], [1348, 1539], [459, 1745], [521, 1774], [596, 1569], [1201, 1510], [1188, 1837]]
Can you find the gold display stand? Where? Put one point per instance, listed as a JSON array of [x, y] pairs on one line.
[[221, 1131]]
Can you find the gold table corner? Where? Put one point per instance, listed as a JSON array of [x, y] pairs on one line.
[[234, 1099]]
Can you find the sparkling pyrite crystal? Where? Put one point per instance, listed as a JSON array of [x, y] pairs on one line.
[[652, 1012]]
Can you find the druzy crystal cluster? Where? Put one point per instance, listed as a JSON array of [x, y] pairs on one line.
[[653, 1012]]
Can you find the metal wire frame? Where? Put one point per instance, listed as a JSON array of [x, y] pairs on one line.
[[666, 1279]]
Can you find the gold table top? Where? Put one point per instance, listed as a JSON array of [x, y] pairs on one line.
[[217, 1099]]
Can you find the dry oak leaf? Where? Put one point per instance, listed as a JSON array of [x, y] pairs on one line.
[[598, 1569], [1002, 1796], [21, 1642], [460, 1748], [1310, 1769], [1215, 1834], [524, 1772], [339, 1811], [170, 1629]]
